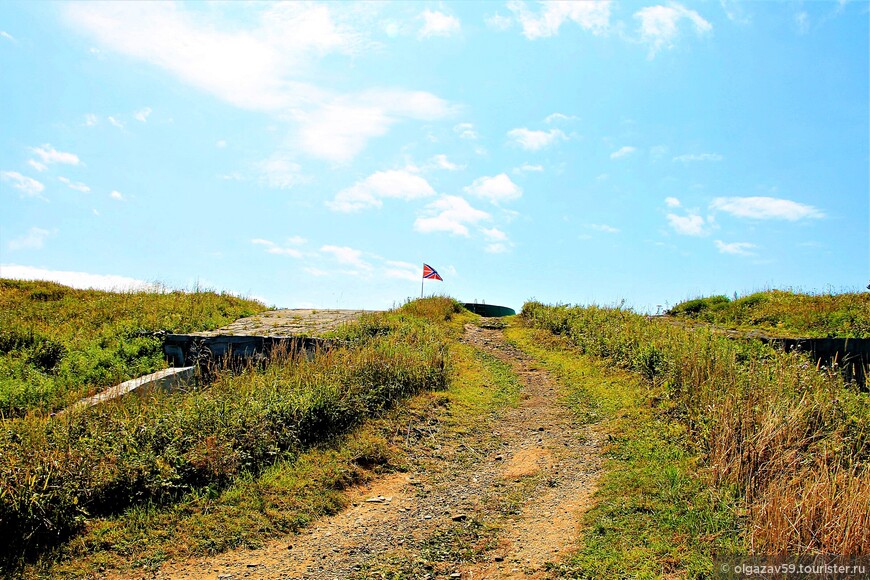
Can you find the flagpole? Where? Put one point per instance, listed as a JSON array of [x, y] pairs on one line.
[[422, 281]]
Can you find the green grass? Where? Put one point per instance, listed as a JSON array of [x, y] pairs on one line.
[[785, 313], [655, 512], [793, 443], [301, 486], [58, 344], [57, 474]]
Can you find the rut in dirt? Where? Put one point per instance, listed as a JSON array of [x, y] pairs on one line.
[[500, 502]]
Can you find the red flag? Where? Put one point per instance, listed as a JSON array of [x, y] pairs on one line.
[[429, 273]]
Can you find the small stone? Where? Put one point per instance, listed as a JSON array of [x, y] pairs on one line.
[[378, 499], [456, 575]]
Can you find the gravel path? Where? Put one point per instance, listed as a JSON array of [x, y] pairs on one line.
[[499, 502]]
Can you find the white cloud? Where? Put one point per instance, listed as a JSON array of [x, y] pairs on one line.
[[50, 155], [496, 248], [622, 152], [496, 189], [7, 36], [659, 25], [142, 114], [526, 168], [75, 279], [802, 19], [264, 66], [737, 248], [656, 152], [115, 122], [34, 239], [559, 117], [465, 131], [442, 162], [766, 208], [280, 171], [672, 202], [604, 228], [370, 191], [37, 165], [494, 234], [273, 248], [220, 144], [450, 214], [688, 157], [117, 195], [593, 16], [688, 225], [339, 129], [402, 271], [438, 24], [28, 186], [498, 22], [73, 185], [535, 140], [91, 120], [348, 256]]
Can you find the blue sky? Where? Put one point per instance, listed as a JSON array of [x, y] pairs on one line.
[[316, 154]]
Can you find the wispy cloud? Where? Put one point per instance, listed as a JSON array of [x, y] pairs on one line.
[[34, 239], [659, 25], [37, 165], [115, 122], [28, 186], [691, 224], [91, 120], [623, 152], [672, 202], [441, 162], [117, 195], [802, 20], [347, 256], [370, 191], [603, 228], [438, 24], [290, 249], [82, 280], [527, 167], [497, 189], [736, 248], [74, 185], [142, 114], [466, 131], [49, 155], [7, 36], [268, 66], [534, 140], [280, 171], [766, 208], [451, 214], [593, 16], [560, 117], [689, 157]]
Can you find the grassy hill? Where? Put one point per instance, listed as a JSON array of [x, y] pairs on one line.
[[785, 313], [58, 344]]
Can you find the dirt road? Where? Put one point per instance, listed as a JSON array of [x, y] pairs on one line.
[[499, 502]]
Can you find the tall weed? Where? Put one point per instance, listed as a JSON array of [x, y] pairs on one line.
[[794, 440]]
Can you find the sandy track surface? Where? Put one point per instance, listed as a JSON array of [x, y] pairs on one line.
[[509, 496]]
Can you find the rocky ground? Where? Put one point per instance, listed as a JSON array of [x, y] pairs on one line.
[[501, 501], [287, 322]]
